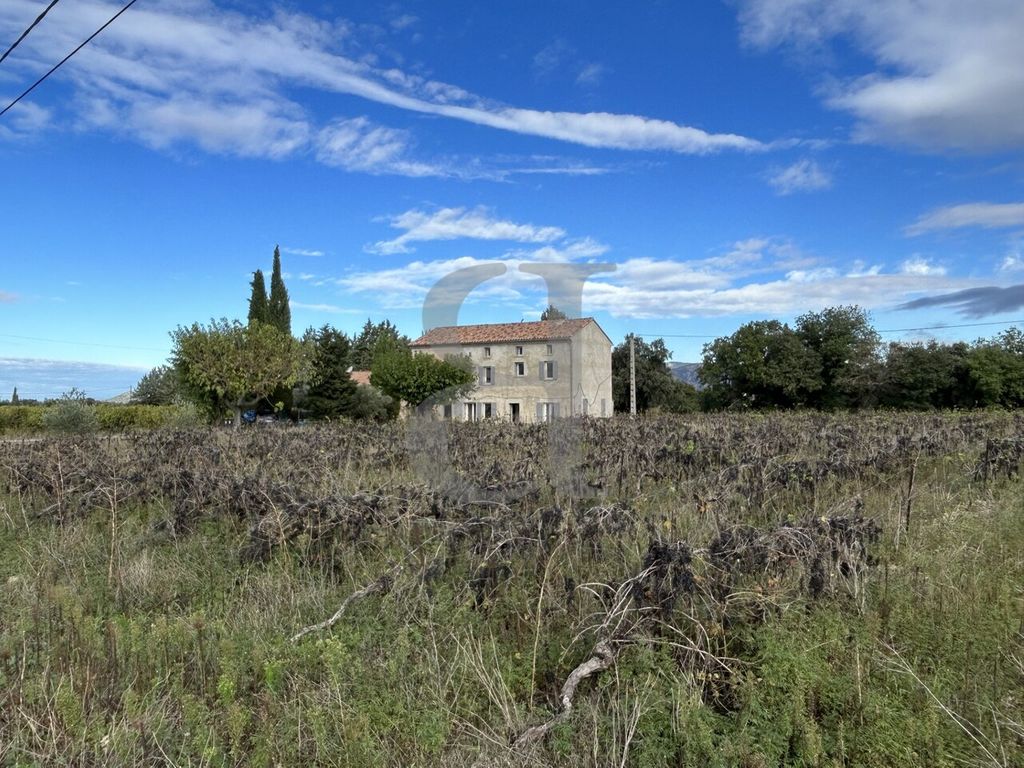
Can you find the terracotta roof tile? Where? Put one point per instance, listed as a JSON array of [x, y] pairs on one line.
[[497, 333], [360, 377]]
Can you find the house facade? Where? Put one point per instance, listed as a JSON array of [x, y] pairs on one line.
[[529, 372]]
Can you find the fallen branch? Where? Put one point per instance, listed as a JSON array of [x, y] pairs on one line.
[[601, 658], [382, 584]]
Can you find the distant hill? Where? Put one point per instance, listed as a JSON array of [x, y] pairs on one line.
[[686, 372], [124, 398]]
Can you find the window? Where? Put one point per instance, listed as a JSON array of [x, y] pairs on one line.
[[550, 350], [519, 351], [448, 411], [513, 412], [487, 374], [488, 410], [472, 413], [520, 368], [487, 351], [586, 406], [548, 370]]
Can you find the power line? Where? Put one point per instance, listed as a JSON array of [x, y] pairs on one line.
[[30, 28], [56, 66], [79, 343]]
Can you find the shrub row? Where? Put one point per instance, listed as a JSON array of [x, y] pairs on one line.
[[109, 417]]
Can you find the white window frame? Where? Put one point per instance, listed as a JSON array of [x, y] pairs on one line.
[[487, 375], [519, 350], [550, 350], [549, 370], [472, 411], [487, 351], [520, 368]]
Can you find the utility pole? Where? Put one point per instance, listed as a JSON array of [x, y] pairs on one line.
[[632, 377]]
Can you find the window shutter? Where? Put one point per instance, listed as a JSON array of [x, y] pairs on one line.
[[540, 412], [554, 369], [480, 375], [554, 410], [542, 371]]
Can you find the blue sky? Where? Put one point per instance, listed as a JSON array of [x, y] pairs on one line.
[[738, 160]]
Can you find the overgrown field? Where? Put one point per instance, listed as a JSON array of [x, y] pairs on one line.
[[725, 590]]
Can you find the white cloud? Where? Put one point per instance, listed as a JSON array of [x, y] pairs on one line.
[[947, 74], [187, 70], [302, 251], [987, 215], [403, 22], [590, 75], [921, 267], [458, 223], [360, 145], [759, 276], [25, 120], [802, 176], [6, 297], [331, 309], [1012, 262]]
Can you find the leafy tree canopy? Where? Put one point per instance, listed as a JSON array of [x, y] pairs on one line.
[[158, 387], [764, 364], [553, 313], [237, 365], [374, 339], [656, 385], [415, 378]]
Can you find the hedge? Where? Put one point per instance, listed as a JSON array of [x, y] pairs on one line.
[[112, 418]]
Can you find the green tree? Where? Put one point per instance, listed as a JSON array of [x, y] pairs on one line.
[[234, 366], [158, 387], [656, 385], [72, 414], [374, 339], [846, 347], [259, 309], [923, 376], [764, 364], [332, 393], [413, 378], [279, 311], [994, 371], [553, 313]]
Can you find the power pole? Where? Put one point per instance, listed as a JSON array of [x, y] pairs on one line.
[[632, 377]]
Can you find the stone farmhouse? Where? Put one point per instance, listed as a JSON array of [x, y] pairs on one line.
[[529, 372]]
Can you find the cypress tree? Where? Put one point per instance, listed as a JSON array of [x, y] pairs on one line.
[[259, 309], [14, 397], [279, 312]]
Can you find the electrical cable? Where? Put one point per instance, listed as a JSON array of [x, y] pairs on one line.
[[56, 66], [30, 28]]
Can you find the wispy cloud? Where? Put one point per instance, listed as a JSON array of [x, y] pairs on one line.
[[302, 251], [6, 297], [590, 74], [975, 302], [986, 215], [403, 22], [458, 223], [191, 71], [24, 121], [922, 267], [947, 74], [332, 309], [804, 175]]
